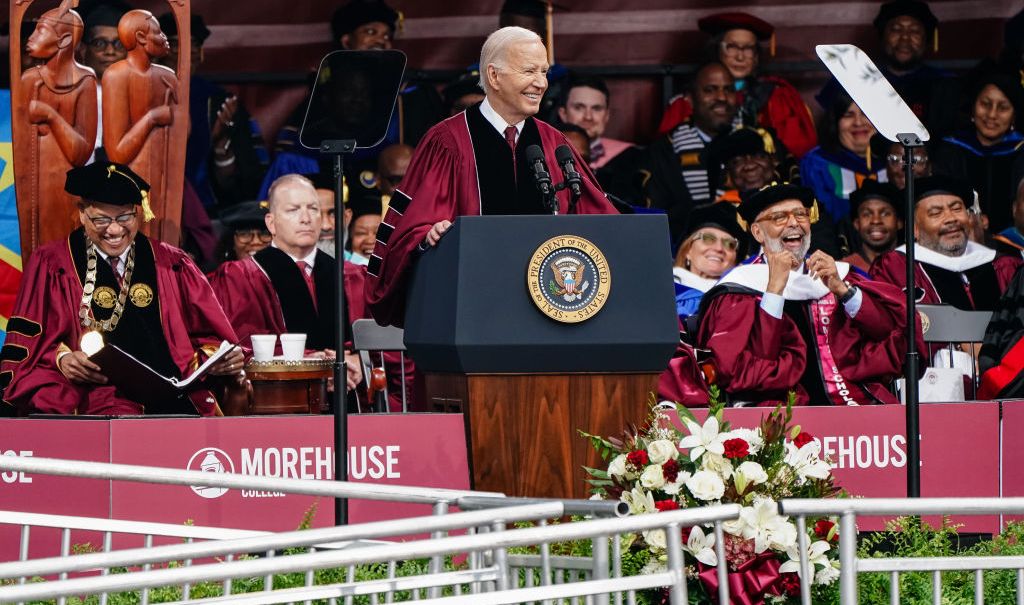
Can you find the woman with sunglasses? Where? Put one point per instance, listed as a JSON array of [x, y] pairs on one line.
[[711, 247]]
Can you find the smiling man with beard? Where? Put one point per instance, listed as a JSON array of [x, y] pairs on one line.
[[949, 268], [791, 322]]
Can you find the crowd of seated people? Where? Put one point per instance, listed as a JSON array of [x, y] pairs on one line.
[[761, 201]]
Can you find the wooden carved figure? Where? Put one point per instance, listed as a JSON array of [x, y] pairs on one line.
[[55, 124]]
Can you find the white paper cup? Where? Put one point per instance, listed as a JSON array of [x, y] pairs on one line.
[[263, 346], [293, 346]]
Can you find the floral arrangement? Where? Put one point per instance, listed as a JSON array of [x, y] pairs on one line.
[[658, 467]]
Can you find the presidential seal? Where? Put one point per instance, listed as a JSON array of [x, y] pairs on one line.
[[568, 279], [105, 297], [141, 295]]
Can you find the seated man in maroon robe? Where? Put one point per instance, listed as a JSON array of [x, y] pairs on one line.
[[792, 322], [949, 268], [288, 287], [145, 296], [475, 163]]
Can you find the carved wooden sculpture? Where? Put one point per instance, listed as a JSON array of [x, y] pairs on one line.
[[55, 117], [54, 124], [145, 117]]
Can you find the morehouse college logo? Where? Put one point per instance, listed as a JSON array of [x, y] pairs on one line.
[[568, 279], [210, 460]]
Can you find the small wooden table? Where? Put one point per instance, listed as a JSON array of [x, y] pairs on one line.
[[289, 387]]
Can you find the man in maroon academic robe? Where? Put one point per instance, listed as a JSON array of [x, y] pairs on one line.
[[474, 163], [948, 267], [791, 322], [288, 287], [145, 296]]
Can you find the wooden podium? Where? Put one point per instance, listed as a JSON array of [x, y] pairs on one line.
[[526, 382]]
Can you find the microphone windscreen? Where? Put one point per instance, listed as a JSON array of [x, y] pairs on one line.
[[563, 154], [534, 153]]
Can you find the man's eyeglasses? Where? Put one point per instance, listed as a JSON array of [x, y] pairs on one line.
[[710, 239], [101, 44], [102, 222], [897, 159], [736, 50], [248, 235], [802, 215]]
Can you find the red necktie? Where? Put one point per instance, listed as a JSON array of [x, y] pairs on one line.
[[307, 274], [114, 261], [510, 137]]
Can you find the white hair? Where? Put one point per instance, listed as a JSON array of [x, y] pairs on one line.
[[496, 47], [287, 181]]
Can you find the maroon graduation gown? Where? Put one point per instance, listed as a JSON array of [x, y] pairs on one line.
[[45, 320], [760, 358], [441, 184]]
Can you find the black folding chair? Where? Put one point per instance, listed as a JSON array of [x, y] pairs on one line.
[[948, 325], [369, 337]]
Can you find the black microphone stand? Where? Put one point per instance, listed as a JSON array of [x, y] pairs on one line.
[[338, 149], [910, 366]]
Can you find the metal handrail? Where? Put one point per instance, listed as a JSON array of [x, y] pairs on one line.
[[274, 541], [670, 520], [596, 508], [902, 506], [169, 476], [117, 526]]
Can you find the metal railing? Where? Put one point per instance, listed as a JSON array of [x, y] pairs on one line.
[[850, 565]]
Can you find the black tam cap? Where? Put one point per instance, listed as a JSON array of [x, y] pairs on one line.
[[871, 189], [720, 215], [365, 200], [911, 8], [107, 183], [757, 201], [719, 23], [742, 141], [170, 27], [102, 12], [320, 180], [246, 215], [526, 8], [360, 12], [940, 184], [466, 84]]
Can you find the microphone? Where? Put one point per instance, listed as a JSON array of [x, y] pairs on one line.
[[535, 158], [568, 164]]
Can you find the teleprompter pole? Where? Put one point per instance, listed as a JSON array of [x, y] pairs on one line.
[[910, 366]]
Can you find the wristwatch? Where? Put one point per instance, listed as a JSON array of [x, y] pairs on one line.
[[851, 291]]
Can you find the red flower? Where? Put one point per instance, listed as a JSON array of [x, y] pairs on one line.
[[664, 505], [686, 534], [789, 583], [822, 527], [637, 458], [803, 439], [670, 470], [736, 448]]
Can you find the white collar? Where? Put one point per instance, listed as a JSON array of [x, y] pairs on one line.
[[974, 255], [310, 258], [692, 280], [497, 121], [800, 285], [123, 257]]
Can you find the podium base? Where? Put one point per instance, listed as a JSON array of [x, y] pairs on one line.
[[521, 429]]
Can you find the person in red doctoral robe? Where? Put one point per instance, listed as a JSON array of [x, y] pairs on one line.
[[145, 296], [807, 324], [948, 267], [288, 287], [475, 163]]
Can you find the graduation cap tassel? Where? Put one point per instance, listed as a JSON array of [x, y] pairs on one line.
[[549, 25], [935, 40], [147, 211], [771, 44]]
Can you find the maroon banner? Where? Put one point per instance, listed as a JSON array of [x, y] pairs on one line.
[[1012, 460], [426, 450], [867, 446]]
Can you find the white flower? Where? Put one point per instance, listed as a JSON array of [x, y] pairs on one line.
[[617, 468], [655, 538], [706, 485], [805, 461], [828, 574], [662, 450], [639, 500], [763, 524], [752, 436], [815, 557], [652, 477], [717, 463], [674, 487], [702, 547], [752, 473], [655, 565], [702, 438]]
